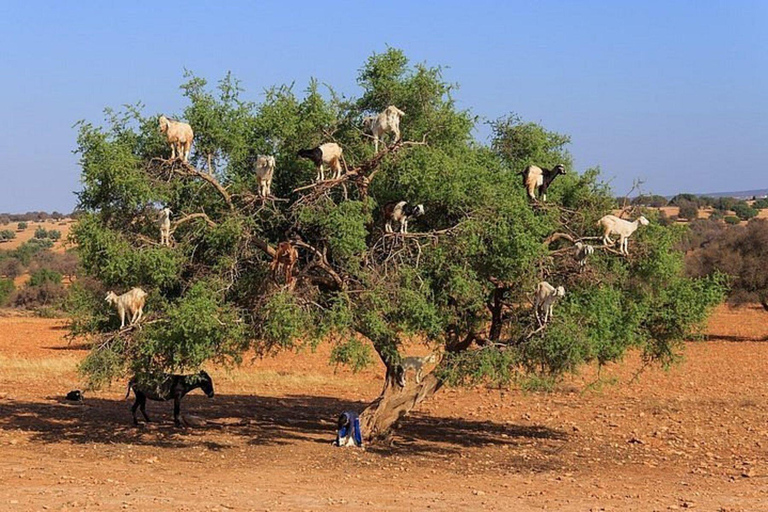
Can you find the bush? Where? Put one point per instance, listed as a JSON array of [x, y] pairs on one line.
[[11, 268], [43, 276], [741, 252], [54, 234], [21, 226], [46, 294], [6, 235], [6, 289], [760, 203], [744, 211], [41, 233], [732, 220], [688, 209]]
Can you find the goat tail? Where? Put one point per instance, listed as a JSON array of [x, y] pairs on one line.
[[128, 391]]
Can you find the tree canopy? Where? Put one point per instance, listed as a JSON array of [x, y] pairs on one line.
[[461, 282]]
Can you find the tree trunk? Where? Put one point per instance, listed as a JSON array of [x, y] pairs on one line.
[[394, 403]]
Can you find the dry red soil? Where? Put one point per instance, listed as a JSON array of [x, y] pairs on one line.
[[693, 437]]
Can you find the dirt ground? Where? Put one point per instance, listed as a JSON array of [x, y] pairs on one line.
[[693, 437]]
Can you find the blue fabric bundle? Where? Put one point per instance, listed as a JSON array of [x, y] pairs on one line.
[[349, 427]]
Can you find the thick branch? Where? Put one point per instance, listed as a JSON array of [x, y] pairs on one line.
[[193, 216], [185, 169], [322, 262]]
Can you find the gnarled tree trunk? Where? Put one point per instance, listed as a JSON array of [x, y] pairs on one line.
[[394, 403]]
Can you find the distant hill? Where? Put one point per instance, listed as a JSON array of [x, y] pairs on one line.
[[744, 194]]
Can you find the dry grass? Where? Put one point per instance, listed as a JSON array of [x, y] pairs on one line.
[[14, 369]]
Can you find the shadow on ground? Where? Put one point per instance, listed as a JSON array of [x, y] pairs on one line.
[[260, 420]]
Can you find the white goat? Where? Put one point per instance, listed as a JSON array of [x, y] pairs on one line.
[[385, 122], [612, 225], [265, 168], [328, 153], [582, 252], [179, 137], [132, 302], [545, 297], [165, 226]]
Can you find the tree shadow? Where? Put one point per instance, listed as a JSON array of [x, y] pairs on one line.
[[734, 338], [260, 420], [78, 347]]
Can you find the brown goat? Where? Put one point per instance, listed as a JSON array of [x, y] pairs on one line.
[[286, 256]]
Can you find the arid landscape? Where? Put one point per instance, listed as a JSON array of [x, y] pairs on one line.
[[692, 437]]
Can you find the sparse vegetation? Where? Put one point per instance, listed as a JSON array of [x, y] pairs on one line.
[[740, 252]]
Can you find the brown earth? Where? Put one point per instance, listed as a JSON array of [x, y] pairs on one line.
[[24, 236], [692, 437]]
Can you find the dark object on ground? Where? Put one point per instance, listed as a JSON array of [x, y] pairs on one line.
[[75, 396]]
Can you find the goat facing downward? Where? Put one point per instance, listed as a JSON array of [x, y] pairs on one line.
[[265, 168], [545, 298]]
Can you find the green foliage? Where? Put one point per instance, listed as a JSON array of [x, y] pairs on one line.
[[6, 289], [6, 235], [651, 200], [21, 226], [211, 293], [43, 276], [688, 209], [26, 251], [760, 203], [353, 353], [744, 211], [732, 220]]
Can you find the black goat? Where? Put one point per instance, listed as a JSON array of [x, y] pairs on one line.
[[166, 388], [538, 177]]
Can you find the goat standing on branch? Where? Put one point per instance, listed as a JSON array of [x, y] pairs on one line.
[[286, 257], [132, 302], [328, 153], [400, 212], [179, 137], [612, 225], [387, 121], [546, 296], [265, 168], [165, 226], [582, 252], [535, 177]]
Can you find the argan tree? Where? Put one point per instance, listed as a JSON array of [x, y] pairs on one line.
[[460, 282]]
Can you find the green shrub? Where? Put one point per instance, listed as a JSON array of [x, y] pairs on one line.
[[7, 234], [744, 211], [21, 226], [43, 276], [732, 219], [6, 289]]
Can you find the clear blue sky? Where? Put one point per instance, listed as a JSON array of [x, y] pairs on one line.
[[674, 92]]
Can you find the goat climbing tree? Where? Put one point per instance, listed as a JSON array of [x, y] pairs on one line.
[[460, 282]]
